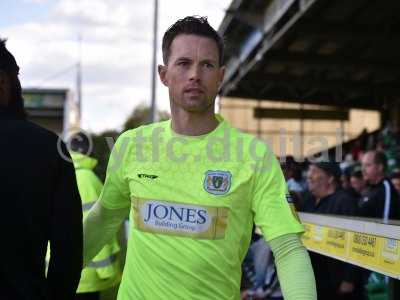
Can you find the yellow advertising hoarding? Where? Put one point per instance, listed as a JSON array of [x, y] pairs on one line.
[[376, 253]]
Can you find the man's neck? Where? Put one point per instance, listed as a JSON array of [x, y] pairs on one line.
[[193, 124]]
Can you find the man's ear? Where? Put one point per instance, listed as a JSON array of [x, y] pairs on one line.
[[162, 72]]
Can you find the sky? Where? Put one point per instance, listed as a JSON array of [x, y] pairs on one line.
[[116, 49]]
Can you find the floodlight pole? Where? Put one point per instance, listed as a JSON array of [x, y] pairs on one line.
[[154, 65], [79, 80]]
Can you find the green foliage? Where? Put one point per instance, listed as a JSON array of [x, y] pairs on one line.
[[141, 116]]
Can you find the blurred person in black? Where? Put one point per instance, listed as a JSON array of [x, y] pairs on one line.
[[335, 279], [357, 182], [381, 199], [39, 202], [346, 182]]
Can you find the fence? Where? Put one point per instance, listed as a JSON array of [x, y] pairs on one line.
[[367, 243]]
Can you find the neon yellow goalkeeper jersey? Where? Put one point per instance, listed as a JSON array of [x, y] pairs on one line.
[[193, 203]]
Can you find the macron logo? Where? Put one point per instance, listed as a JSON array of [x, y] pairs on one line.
[[147, 176]]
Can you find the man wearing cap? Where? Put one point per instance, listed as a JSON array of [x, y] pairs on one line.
[[40, 202], [335, 279]]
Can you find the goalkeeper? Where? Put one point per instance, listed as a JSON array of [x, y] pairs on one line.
[[193, 186]]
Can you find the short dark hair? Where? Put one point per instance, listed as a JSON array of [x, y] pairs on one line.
[[331, 169], [10, 67], [7, 60], [191, 25]]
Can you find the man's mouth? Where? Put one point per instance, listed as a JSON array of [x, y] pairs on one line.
[[196, 91]]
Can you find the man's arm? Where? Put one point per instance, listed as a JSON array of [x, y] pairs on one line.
[[293, 264], [65, 262], [113, 206], [274, 214], [99, 227]]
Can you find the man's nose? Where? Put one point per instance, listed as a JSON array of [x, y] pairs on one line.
[[194, 73]]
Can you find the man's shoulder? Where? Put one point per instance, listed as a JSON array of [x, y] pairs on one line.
[[31, 131], [393, 192], [239, 133], [377, 190], [343, 194], [31, 144], [145, 130], [344, 198]]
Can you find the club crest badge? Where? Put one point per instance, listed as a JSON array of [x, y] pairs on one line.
[[217, 182]]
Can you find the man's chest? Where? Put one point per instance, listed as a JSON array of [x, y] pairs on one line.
[[194, 200]]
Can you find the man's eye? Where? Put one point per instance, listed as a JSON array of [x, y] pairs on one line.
[[209, 65], [183, 63]]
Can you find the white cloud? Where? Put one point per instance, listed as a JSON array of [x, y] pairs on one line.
[[116, 51]]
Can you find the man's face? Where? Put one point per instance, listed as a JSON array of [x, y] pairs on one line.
[[317, 180], [371, 171], [192, 74]]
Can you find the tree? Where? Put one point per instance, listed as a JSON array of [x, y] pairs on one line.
[[141, 116]]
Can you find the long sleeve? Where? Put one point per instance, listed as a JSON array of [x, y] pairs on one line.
[[100, 227], [295, 272], [113, 206], [65, 234]]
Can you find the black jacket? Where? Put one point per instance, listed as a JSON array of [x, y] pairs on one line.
[[373, 203], [329, 272], [39, 202]]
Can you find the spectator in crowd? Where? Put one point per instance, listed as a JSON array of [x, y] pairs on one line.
[[259, 271], [357, 182], [40, 200], [335, 279], [381, 199]]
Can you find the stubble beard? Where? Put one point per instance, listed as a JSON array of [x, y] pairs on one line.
[[199, 106]]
